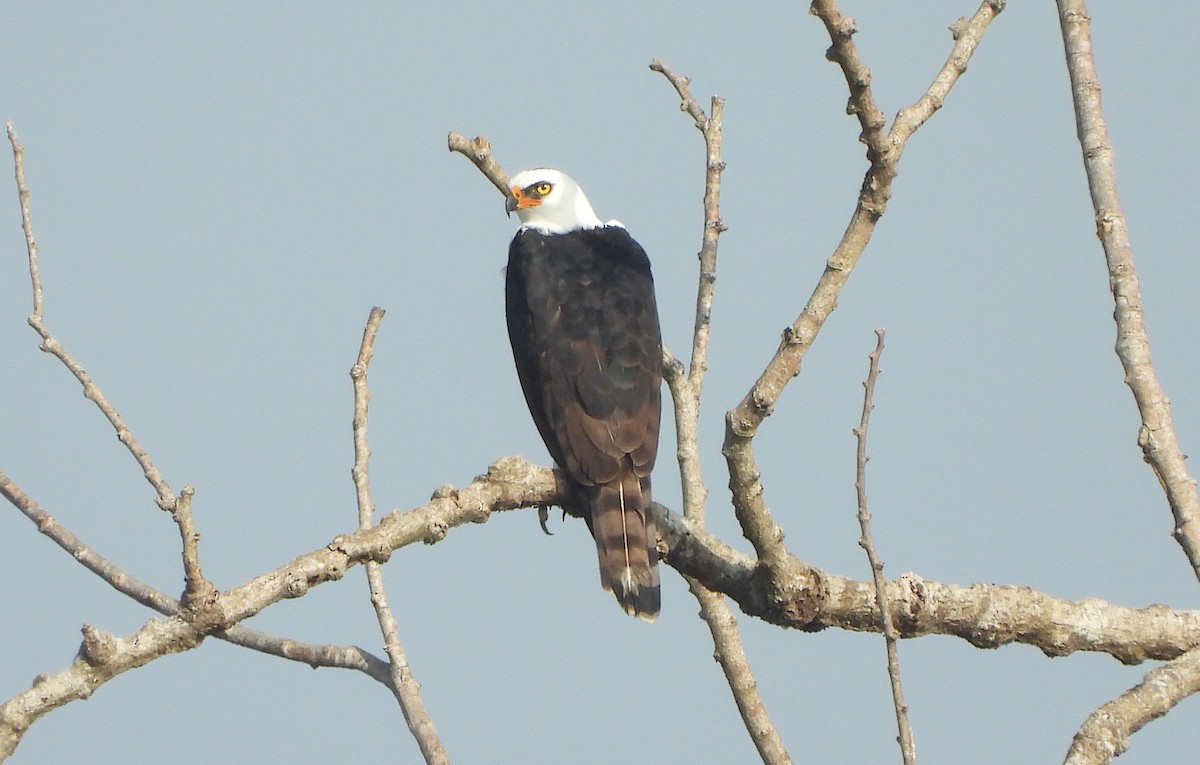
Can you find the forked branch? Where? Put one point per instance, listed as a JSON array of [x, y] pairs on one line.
[[406, 689], [685, 393], [198, 591], [743, 421]]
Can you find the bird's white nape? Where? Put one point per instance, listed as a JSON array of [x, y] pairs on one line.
[[565, 208]]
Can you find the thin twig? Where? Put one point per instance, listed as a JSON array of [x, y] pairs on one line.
[[31, 247], [406, 689], [198, 591], [709, 127], [908, 747], [91, 391], [120, 580], [685, 391], [967, 33], [743, 421], [1156, 437], [362, 398], [1105, 733], [312, 654]]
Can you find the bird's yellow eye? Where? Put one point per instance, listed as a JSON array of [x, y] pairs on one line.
[[542, 189]]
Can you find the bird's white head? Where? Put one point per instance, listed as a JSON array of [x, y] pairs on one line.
[[549, 201]]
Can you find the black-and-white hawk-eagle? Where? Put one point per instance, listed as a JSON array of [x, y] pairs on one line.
[[586, 341]]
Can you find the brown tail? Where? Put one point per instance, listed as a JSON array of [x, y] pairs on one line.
[[625, 539]]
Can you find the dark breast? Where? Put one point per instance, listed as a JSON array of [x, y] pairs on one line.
[[585, 335]]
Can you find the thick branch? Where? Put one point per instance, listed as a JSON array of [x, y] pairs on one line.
[[985, 615], [1157, 433], [479, 151], [101, 657]]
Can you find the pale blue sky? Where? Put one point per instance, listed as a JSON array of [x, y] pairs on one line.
[[221, 194]]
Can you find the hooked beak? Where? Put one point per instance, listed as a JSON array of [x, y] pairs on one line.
[[517, 200]]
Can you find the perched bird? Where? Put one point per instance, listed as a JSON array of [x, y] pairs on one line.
[[585, 338]]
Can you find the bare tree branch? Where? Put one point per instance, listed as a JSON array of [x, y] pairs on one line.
[[80, 551], [1105, 734], [479, 151], [166, 497], [968, 34], [101, 657], [774, 586], [731, 655], [406, 689], [1156, 436], [743, 421], [198, 591], [686, 389], [31, 246], [908, 747], [509, 484], [685, 393], [714, 225], [861, 103], [813, 599], [202, 608], [315, 656], [201, 605], [985, 615], [345, 657]]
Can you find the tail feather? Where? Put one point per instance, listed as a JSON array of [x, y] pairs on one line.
[[625, 544]]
